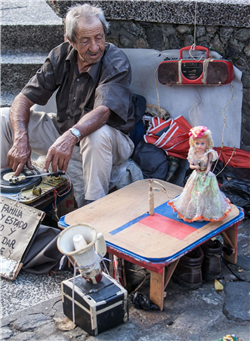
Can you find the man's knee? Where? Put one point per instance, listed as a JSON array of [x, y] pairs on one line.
[[5, 118], [101, 138], [6, 135], [5, 112]]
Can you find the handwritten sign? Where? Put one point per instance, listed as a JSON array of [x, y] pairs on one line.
[[18, 222]]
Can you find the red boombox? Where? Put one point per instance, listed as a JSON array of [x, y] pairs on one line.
[[206, 71]]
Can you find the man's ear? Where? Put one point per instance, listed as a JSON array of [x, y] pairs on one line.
[[71, 43]]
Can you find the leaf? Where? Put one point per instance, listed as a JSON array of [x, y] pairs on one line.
[[64, 323], [218, 286]]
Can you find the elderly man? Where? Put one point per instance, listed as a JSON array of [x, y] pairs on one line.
[[94, 108]]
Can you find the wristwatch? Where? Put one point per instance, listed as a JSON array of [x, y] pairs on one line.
[[76, 133]]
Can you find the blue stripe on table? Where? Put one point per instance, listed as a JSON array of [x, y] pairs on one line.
[[163, 210]]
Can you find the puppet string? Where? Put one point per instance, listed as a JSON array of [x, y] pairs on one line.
[[195, 12], [56, 194], [225, 126], [73, 289], [157, 91], [75, 269], [193, 107], [192, 47], [223, 113], [162, 188], [103, 259]]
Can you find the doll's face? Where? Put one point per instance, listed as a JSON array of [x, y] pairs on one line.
[[200, 144]]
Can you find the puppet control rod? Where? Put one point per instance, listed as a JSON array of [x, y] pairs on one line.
[[151, 194]]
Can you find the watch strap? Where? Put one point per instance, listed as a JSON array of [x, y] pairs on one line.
[[76, 133]]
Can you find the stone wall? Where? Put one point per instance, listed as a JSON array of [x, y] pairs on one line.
[[222, 26], [231, 43]]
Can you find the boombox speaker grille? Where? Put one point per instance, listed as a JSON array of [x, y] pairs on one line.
[[168, 73], [217, 73]]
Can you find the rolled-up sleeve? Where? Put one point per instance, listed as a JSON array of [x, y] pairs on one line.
[[42, 85], [115, 94]]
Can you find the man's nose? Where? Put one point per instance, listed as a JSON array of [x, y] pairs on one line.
[[93, 47]]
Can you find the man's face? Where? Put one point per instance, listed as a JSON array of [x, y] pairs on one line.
[[90, 41]]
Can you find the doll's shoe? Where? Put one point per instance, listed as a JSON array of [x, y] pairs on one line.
[[211, 267], [188, 271]]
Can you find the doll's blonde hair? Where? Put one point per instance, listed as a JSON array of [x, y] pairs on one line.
[[207, 134]]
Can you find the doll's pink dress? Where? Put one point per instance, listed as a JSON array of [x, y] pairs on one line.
[[201, 200]]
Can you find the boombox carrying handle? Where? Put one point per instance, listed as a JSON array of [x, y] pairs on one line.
[[195, 48]]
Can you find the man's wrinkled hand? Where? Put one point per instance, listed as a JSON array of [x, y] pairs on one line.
[[60, 153], [19, 156]]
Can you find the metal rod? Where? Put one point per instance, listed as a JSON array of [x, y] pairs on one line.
[[15, 179]]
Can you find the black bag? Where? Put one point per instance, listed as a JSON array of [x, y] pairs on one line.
[[139, 103], [43, 255], [235, 184], [152, 160], [137, 133]]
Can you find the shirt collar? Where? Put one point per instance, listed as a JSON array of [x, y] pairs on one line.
[[71, 59], [72, 55], [93, 70]]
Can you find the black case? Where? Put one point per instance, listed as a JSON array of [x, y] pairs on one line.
[[98, 307]]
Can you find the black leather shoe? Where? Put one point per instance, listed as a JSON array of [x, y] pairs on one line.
[[188, 271], [211, 267]]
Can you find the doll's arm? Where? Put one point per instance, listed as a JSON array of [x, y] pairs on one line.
[[192, 166], [193, 163], [209, 165]]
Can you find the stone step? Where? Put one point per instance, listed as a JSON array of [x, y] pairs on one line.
[[39, 38], [16, 70], [7, 97], [29, 26], [232, 13], [28, 12]]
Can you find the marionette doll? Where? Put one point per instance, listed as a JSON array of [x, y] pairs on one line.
[[201, 198]]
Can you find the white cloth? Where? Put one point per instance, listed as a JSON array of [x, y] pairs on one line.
[[198, 104]]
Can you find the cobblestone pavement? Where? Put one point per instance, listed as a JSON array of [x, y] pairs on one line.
[[32, 308]]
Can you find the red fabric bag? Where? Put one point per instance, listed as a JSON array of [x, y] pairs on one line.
[[171, 135], [240, 158]]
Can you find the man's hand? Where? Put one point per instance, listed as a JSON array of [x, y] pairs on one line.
[[19, 156], [60, 152]]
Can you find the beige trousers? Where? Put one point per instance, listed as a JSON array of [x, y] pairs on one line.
[[91, 164]]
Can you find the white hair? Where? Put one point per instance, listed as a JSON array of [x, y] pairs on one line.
[[87, 12]]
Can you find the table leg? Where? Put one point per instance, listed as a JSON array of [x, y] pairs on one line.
[[157, 288], [169, 272], [158, 283], [230, 238], [111, 264]]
